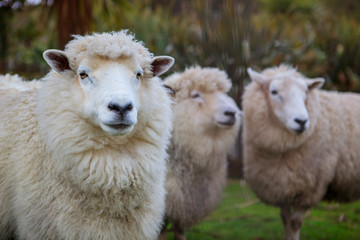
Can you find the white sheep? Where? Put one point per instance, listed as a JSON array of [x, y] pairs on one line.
[[301, 145], [84, 156], [16, 83], [206, 123]]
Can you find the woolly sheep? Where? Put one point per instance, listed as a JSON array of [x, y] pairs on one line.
[[205, 125], [16, 83], [301, 144], [83, 157]]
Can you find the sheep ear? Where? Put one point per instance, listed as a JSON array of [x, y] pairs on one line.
[[161, 64], [169, 90], [257, 77], [315, 83], [57, 60]]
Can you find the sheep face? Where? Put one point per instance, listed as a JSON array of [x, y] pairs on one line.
[[287, 96], [110, 92], [109, 87], [214, 110]]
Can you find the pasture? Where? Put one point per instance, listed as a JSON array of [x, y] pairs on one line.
[[241, 216]]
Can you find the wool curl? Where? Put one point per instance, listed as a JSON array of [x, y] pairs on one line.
[[196, 78], [112, 45]]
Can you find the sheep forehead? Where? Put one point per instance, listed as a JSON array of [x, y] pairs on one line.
[[98, 63], [214, 96], [204, 79], [107, 45], [218, 100], [288, 85]]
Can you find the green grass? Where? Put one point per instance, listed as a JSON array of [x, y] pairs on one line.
[[241, 216]]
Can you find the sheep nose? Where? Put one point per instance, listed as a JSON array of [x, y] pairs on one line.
[[121, 109], [301, 122]]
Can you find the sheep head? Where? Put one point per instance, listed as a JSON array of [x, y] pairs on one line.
[[201, 95], [109, 85], [287, 91]]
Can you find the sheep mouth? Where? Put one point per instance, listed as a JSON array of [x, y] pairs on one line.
[[299, 130], [118, 126], [226, 124]]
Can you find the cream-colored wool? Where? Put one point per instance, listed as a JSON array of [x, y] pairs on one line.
[[296, 171], [62, 176], [200, 144], [16, 83]]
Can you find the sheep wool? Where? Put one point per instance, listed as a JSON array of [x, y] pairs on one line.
[[16, 83], [65, 172], [315, 156], [206, 123]]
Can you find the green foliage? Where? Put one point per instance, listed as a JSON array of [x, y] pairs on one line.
[[158, 28], [242, 216], [29, 36], [222, 38], [336, 39], [289, 7], [109, 14]]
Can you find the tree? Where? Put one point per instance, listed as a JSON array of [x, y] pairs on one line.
[[73, 17]]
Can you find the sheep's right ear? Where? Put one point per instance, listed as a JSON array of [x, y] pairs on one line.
[[315, 83], [257, 77], [169, 90], [57, 60], [161, 64]]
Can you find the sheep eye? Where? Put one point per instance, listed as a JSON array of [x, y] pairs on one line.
[[83, 75], [195, 95], [274, 92], [139, 75]]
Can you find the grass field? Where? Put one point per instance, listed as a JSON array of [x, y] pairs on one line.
[[241, 216]]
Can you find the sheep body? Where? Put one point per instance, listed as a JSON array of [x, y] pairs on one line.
[[16, 83], [64, 177], [199, 146], [298, 170]]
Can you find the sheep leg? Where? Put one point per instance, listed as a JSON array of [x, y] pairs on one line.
[[292, 221], [179, 233], [285, 217]]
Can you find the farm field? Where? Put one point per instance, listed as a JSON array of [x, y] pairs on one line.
[[241, 216]]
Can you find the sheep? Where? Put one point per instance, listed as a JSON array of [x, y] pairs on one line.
[[206, 123], [301, 144], [84, 155], [16, 83]]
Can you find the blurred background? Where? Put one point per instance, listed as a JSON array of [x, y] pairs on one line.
[[321, 38]]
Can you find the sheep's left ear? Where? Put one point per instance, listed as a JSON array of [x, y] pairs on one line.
[[57, 60], [161, 64], [315, 83], [257, 77]]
